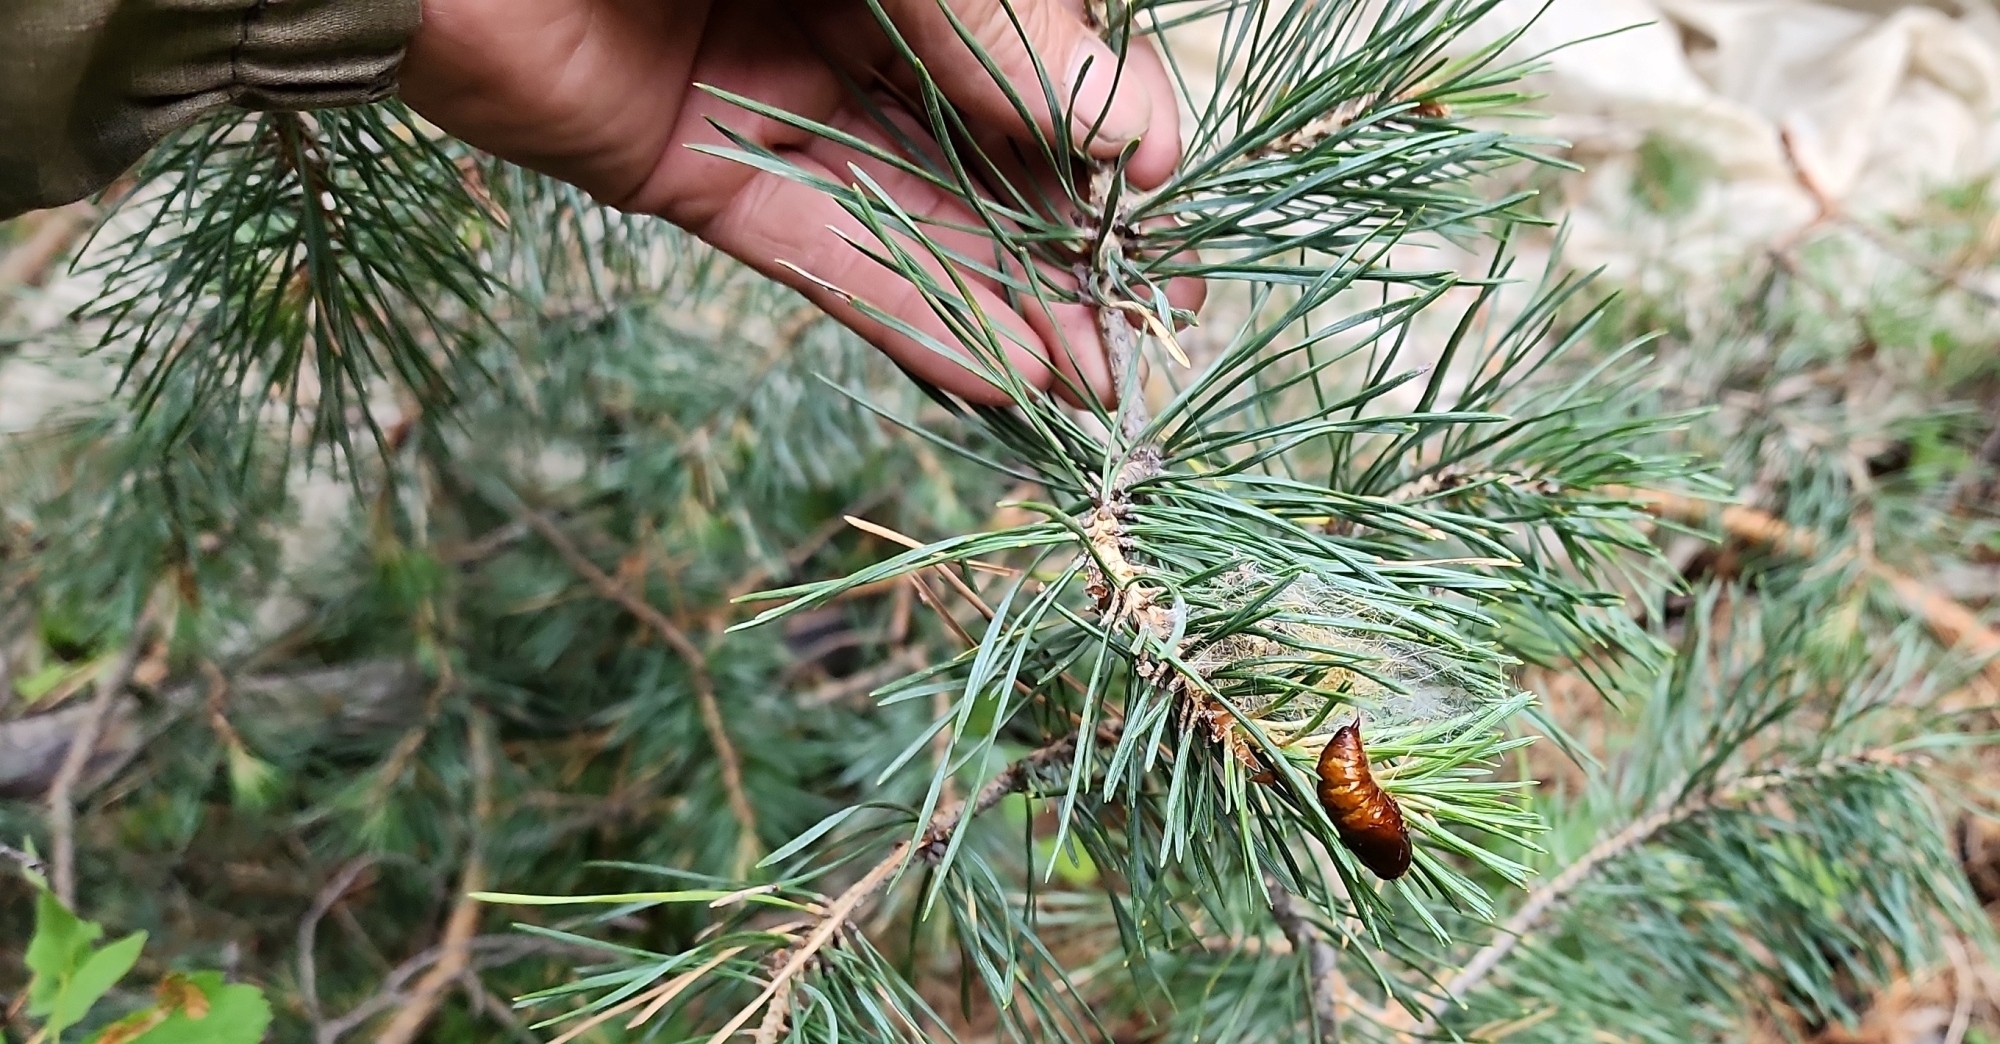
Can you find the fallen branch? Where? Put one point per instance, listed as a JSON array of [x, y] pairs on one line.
[[1950, 622], [704, 686]]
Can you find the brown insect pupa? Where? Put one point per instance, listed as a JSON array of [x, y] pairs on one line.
[[1369, 820]]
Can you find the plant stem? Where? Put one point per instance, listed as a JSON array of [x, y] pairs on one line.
[[308, 967]]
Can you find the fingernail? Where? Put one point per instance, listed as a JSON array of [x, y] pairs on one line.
[[1093, 78]]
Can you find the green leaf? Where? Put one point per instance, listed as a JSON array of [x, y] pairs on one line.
[[237, 1014], [61, 944], [40, 683], [69, 976], [99, 972]]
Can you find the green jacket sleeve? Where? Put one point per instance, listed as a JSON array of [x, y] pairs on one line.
[[87, 86]]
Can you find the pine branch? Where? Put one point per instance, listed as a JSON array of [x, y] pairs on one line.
[[1551, 895], [838, 913], [728, 760], [1327, 985]]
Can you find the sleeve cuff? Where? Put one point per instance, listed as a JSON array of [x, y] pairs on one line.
[[268, 54], [311, 54], [99, 82]]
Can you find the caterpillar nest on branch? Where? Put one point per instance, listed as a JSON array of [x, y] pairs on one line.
[[1313, 650]]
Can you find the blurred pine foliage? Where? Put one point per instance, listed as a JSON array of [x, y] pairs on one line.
[[404, 559]]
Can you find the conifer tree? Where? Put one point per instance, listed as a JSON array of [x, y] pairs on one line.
[[766, 693]]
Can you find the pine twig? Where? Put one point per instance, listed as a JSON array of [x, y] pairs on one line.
[[848, 904], [1552, 894], [1121, 345], [61, 802], [1322, 961], [26, 861], [308, 968], [463, 924], [730, 762]]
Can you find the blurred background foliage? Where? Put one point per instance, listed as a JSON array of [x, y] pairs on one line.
[[330, 699]]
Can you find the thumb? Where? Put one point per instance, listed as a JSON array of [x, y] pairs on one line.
[[1105, 103]]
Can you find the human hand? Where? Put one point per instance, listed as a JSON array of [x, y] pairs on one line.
[[601, 93]]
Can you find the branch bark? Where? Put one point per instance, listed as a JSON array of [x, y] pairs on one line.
[[1322, 962]]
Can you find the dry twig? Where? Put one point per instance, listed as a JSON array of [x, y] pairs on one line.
[[1950, 622], [730, 762], [488, 950], [456, 947], [61, 798], [337, 888]]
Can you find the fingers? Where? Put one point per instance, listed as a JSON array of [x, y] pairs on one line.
[[802, 237], [799, 236], [1159, 151], [1187, 293], [1107, 104]]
